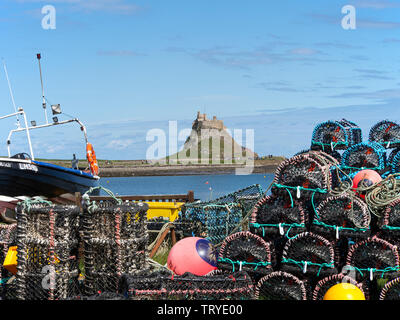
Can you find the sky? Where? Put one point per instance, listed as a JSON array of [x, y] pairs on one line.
[[125, 67]]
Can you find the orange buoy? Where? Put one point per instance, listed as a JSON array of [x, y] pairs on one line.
[[365, 178]]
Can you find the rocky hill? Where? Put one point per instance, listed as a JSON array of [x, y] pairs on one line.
[[210, 142]]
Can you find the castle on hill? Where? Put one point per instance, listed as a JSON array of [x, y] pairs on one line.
[[202, 122], [210, 141]]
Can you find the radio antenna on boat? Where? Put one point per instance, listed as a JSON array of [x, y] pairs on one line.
[[11, 94], [41, 81]]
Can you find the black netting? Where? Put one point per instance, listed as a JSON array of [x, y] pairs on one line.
[[280, 285], [245, 251], [47, 241], [390, 222], [308, 254], [331, 135], [217, 221], [373, 258], [391, 290], [325, 284], [246, 197], [276, 215], [115, 242], [342, 216], [304, 176], [364, 156], [386, 133], [8, 238], [163, 285]]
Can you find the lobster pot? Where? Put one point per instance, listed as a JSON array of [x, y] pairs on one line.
[[394, 161], [325, 284], [339, 135], [103, 296], [304, 177], [280, 285], [246, 251], [342, 217], [115, 239], [276, 216], [47, 241], [389, 224], [217, 220], [391, 290], [162, 285], [246, 197], [8, 233], [372, 259], [386, 133], [364, 156], [309, 256]]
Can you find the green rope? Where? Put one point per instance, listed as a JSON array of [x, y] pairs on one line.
[[277, 225], [390, 227], [388, 269], [320, 223], [302, 263], [256, 264], [92, 206], [27, 203]]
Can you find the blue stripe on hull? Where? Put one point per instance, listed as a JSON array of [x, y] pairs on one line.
[[21, 178]]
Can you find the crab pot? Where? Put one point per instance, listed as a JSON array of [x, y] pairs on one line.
[[246, 197], [325, 284], [7, 239], [339, 135], [47, 242], [386, 133], [115, 239], [309, 256], [389, 224], [394, 161], [342, 217], [248, 252], [216, 221], [162, 285], [280, 285], [362, 156], [373, 259], [304, 177], [391, 290], [276, 216]]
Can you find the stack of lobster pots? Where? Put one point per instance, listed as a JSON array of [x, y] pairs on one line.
[[313, 230]]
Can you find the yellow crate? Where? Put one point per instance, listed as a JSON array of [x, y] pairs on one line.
[[10, 262], [168, 210]]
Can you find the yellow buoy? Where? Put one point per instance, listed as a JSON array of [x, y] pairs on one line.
[[344, 291]]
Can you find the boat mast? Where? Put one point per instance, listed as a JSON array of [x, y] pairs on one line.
[[11, 94], [41, 81]]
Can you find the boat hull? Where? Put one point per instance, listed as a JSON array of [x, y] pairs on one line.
[[32, 178]]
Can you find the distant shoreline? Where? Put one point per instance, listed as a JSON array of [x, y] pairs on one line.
[[179, 170], [142, 168]]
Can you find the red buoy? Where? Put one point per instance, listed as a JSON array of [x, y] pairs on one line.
[[365, 178], [194, 255]]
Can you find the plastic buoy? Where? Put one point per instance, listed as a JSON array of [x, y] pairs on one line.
[[344, 291], [195, 255], [365, 178]]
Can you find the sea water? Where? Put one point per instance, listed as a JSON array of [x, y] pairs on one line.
[[205, 187]]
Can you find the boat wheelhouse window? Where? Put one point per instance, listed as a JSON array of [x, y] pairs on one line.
[[22, 155]]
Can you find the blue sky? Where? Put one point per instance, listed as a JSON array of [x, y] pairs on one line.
[[124, 67]]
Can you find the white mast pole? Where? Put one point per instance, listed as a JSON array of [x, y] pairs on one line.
[[41, 81], [11, 94]]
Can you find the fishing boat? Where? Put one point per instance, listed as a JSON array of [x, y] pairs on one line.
[[22, 175]]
